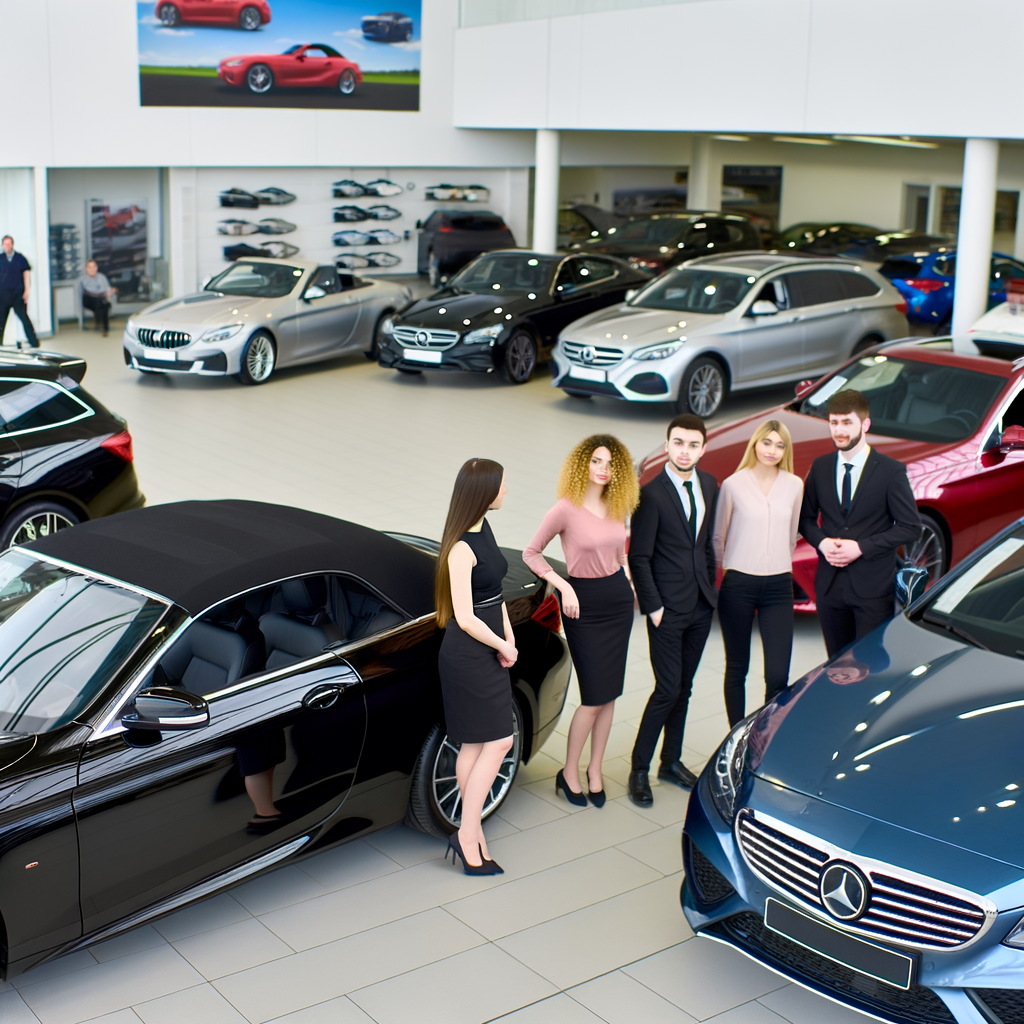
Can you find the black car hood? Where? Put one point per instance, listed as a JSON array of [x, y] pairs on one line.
[[909, 749], [478, 309]]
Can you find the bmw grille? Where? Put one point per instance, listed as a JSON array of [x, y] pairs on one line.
[[153, 338]]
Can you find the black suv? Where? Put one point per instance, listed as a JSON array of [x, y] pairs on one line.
[[449, 239]]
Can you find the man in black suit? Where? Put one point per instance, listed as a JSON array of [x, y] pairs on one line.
[[673, 566], [867, 511]]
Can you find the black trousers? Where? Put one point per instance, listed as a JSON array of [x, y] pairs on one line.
[[100, 310], [845, 617], [771, 598], [11, 299], [676, 649]]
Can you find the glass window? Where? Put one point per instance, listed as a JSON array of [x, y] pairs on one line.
[[814, 287], [260, 280], [573, 227], [913, 399], [326, 278], [653, 230], [34, 406], [689, 290], [482, 221], [590, 271], [62, 637], [499, 272], [1004, 270], [857, 286], [945, 266]]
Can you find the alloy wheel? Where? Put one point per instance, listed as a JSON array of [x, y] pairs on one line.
[[346, 83], [704, 393], [169, 16], [521, 358], [250, 19], [41, 525], [259, 358], [259, 78], [927, 552]]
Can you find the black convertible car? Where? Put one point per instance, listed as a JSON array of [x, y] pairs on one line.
[[155, 662], [502, 312]]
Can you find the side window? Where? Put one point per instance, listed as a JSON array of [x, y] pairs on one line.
[[573, 226], [433, 222], [719, 234], [773, 291], [590, 271], [736, 233], [565, 283], [945, 267], [698, 236], [1003, 271], [814, 287], [857, 286], [326, 278], [35, 406]]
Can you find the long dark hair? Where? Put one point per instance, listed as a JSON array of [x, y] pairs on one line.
[[476, 487]]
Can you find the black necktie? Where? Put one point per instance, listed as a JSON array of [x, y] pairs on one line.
[[688, 484], [847, 489]]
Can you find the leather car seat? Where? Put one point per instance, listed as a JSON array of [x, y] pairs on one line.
[[205, 659], [289, 640], [384, 619]]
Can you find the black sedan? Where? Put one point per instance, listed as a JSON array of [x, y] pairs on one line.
[[503, 312], [157, 663], [853, 241], [449, 239], [64, 458]]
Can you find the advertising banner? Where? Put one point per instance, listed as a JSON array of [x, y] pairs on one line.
[[337, 54], [118, 244]]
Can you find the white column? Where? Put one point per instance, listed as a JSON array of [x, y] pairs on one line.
[[40, 303], [545, 190], [974, 237], [180, 244], [700, 191]]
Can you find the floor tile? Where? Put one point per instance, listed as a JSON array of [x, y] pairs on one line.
[[751, 1013], [232, 949], [334, 1011], [79, 961], [474, 986], [127, 1016], [145, 937], [661, 850], [558, 1009], [203, 1005], [202, 917], [620, 999], [800, 1006], [406, 846], [669, 808], [704, 978], [348, 864], [525, 809], [549, 894], [14, 1009], [281, 888], [597, 939]]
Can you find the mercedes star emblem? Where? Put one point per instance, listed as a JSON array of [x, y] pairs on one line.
[[844, 891], [422, 337], [587, 353]]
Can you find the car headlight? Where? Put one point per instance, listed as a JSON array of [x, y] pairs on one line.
[[728, 767], [222, 333], [232, 63], [662, 351], [483, 334], [387, 325], [131, 330], [1016, 937]]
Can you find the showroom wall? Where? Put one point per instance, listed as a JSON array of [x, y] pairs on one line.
[[18, 188]]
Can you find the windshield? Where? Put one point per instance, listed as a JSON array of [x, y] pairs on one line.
[[985, 605], [257, 280], [689, 290], [513, 272], [652, 230], [914, 400], [62, 637]]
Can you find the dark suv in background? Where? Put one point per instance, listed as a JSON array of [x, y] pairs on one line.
[[449, 239]]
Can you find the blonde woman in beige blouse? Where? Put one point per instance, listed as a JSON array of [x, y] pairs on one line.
[[755, 534]]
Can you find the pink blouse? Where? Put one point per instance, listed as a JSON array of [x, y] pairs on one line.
[[593, 547]]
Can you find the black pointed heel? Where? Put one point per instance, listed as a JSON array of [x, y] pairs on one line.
[[576, 799], [498, 869], [597, 798], [488, 867]]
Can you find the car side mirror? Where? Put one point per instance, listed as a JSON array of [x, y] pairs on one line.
[[632, 294], [1012, 439], [803, 387], [314, 291], [763, 307], [910, 584], [166, 709], [419, 225]]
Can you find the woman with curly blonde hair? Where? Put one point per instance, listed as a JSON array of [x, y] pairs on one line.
[[597, 492]]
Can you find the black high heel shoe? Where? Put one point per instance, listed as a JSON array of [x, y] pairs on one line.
[[596, 798], [498, 869], [488, 867], [576, 799]]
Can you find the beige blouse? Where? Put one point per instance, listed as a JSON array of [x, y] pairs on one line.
[[756, 533]]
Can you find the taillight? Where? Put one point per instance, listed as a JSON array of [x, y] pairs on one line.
[[548, 614], [445, 227], [120, 445], [901, 307], [925, 284]]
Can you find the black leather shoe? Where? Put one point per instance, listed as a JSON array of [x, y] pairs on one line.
[[678, 774], [640, 789]]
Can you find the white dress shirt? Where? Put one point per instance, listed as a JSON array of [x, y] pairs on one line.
[[698, 495], [858, 468]]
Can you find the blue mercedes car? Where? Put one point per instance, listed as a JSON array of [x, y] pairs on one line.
[[863, 834]]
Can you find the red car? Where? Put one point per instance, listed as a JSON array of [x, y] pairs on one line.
[[314, 64], [247, 14], [951, 409]]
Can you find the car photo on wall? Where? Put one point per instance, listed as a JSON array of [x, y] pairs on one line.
[[387, 27], [313, 65], [248, 15]]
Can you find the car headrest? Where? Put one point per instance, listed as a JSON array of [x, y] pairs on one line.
[[289, 641]]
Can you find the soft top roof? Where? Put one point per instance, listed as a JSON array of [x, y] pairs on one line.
[[198, 553]]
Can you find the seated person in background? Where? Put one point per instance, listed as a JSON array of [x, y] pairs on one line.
[[96, 293]]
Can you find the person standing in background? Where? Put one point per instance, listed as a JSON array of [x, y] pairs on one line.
[[96, 293], [597, 491], [673, 563], [755, 534], [867, 511], [15, 284]]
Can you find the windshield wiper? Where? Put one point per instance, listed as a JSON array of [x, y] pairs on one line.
[[955, 630]]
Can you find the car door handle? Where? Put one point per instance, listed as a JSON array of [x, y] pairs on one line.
[[324, 696], [7, 460]]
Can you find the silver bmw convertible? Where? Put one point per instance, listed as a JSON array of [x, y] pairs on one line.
[[261, 314]]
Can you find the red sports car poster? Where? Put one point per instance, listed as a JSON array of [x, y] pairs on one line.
[[340, 54]]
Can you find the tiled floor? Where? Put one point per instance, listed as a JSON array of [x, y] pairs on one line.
[[585, 926]]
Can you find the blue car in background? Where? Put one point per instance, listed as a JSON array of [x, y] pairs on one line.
[[863, 834], [927, 281]]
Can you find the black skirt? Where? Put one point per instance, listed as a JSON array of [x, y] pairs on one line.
[[477, 691], [599, 638]]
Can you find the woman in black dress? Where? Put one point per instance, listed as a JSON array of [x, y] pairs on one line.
[[477, 651]]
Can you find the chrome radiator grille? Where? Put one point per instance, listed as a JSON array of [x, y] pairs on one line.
[[153, 338], [599, 355], [906, 910], [423, 337]]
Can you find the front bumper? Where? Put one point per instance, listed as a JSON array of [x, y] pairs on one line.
[[205, 360], [480, 358], [631, 380], [723, 900]]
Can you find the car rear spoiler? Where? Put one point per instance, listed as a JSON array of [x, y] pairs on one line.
[[69, 366]]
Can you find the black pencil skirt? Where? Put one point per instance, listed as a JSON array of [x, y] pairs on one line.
[[477, 691], [599, 638]]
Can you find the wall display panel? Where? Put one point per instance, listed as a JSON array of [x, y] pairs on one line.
[[337, 54], [118, 242]]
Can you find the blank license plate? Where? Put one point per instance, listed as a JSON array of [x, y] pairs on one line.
[[168, 355], [865, 957], [421, 355], [586, 373]]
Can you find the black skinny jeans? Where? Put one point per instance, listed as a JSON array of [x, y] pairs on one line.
[[100, 310], [771, 597]]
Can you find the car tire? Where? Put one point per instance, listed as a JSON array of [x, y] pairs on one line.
[[250, 19], [34, 520], [577, 394], [520, 358], [259, 79], [259, 359], [929, 551], [434, 799], [169, 16], [702, 389], [373, 353], [433, 270], [347, 82], [405, 369]]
